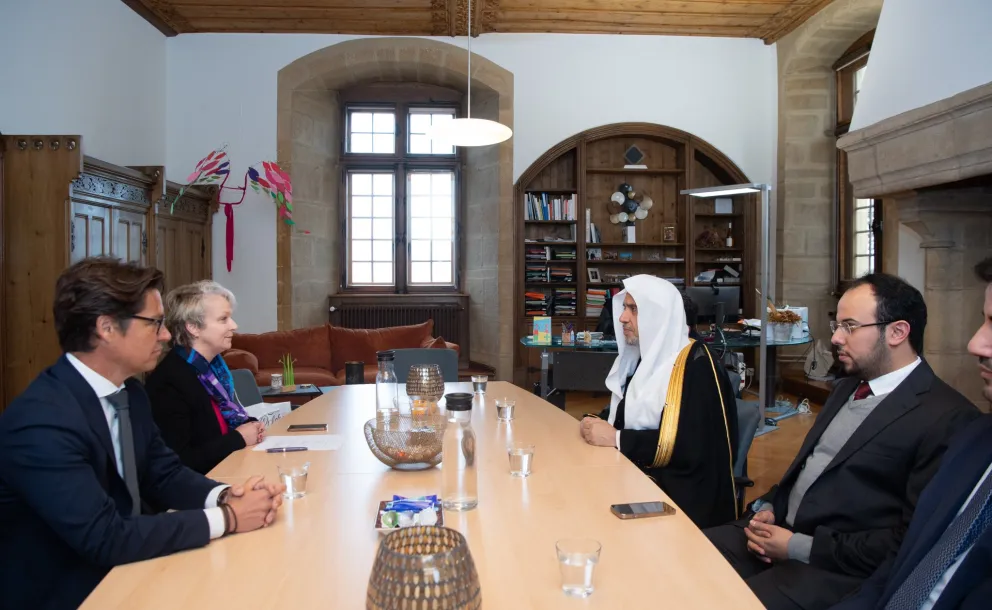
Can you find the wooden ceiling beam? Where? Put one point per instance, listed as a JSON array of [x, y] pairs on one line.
[[572, 27], [612, 18], [151, 17], [789, 19], [370, 25], [703, 7]]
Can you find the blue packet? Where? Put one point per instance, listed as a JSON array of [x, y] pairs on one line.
[[401, 504]]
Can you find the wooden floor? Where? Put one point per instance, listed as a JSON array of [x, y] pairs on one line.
[[770, 453]]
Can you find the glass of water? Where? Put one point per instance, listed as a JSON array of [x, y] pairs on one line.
[[504, 409], [295, 480], [521, 458], [276, 382], [577, 559], [479, 383]]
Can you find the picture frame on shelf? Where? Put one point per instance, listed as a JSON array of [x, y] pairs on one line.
[[594, 254], [669, 234], [593, 274]]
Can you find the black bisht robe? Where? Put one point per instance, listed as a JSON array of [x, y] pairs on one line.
[[699, 476]]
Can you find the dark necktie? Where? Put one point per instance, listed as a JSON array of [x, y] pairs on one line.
[[863, 391], [123, 408], [957, 538]]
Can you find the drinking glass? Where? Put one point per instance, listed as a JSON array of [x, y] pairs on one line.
[[577, 559], [504, 409], [479, 383], [276, 382], [521, 458], [295, 480]]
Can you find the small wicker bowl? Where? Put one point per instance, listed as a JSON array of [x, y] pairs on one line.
[[407, 443]]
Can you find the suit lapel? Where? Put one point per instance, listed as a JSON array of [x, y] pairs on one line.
[[835, 402], [897, 403], [89, 403]]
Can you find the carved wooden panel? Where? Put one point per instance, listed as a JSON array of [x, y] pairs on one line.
[[168, 232], [89, 234], [130, 236]]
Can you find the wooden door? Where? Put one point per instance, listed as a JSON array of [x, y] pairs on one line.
[[89, 233], [168, 235], [196, 248], [130, 237]]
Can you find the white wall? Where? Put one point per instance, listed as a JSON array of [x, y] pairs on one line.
[[222, 89], [924, 51], [90, 67]]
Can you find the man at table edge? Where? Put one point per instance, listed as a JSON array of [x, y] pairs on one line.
[[85, 478]]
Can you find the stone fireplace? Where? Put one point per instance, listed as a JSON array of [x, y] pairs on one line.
[[933, 166]]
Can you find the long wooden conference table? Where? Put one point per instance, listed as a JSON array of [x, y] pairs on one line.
[[320, 551]]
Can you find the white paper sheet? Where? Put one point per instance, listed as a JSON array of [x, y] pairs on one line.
[[313, 442]]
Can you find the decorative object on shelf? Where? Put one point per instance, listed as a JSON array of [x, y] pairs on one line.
[[626, 256], [709, 238], [781, 323], [633, 205], [542, 329], [288, 374], [629, 234], [654, 256], [668, 234], [723, 205], [594, 254], [425, 381], [424, 567], [271, 181], [634, 158], [730, 235], [593, 275], [468, 131], [610, 255], [406, 442]]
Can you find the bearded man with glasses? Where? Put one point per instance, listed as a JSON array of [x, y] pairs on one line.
[[845, 502]]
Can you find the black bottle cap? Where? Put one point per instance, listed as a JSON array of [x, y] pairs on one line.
[[458, 401], [385, 355]]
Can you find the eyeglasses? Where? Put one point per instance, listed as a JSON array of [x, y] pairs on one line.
[[850, 327], [158, 322]]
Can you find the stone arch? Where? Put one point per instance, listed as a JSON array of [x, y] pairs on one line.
[[308, 136], [805, 211]]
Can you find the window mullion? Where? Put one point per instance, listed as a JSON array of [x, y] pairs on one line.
[[402, 229]]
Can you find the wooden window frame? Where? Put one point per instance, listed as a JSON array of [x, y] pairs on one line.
[[855, 58], [400, 99]]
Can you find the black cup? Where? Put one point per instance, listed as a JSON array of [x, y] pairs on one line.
[[354, 372]]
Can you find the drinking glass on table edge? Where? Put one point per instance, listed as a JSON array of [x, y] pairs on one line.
[[504, 409], [294, 477], [577, 560], [521, 458], [479, 383]]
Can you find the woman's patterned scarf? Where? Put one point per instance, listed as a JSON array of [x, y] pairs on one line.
[[216, 379]]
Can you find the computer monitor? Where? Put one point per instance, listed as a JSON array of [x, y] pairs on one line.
[[716, 303]]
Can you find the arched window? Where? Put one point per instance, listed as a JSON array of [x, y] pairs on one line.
[[859, 235]]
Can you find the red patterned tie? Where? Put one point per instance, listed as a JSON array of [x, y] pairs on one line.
[[863, 391]]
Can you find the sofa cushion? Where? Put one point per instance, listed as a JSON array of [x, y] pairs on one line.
[[349, 344], [304, 374], [240, 359], [309, 347]]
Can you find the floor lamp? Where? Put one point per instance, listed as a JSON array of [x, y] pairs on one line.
[[765, 190]]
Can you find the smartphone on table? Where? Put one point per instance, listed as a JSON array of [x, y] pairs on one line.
[[642, 510], [306, 427]]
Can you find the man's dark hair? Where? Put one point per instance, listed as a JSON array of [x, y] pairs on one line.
[[984, 270], [897, 300], [691, 310], [99, 286]]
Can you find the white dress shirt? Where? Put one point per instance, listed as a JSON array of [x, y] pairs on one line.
[[949, 573], [890, 381], [103, 388]]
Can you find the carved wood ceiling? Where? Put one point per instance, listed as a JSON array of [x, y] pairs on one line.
[[765, 19]]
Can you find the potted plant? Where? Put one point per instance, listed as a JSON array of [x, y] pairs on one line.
[[781, 322], [288, 376]]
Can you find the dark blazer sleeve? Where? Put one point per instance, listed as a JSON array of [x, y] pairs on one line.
[[172, 410], [46, 460], [866, 597], [860, 552]]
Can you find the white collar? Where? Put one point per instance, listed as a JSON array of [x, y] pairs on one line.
[[100, 384], [890, 381]]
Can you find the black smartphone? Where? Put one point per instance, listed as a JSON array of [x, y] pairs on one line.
[[306, 427], [642, 510]]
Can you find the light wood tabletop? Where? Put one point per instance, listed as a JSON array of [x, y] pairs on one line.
[[320, 551]]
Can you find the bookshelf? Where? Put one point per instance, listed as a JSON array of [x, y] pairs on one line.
[[558, 259]]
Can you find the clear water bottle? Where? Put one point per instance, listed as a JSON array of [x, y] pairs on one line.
[[385, 388], [459, 477]]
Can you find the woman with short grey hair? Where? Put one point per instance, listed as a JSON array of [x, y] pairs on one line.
[[192, 390]]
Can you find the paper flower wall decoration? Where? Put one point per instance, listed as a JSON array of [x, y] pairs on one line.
[[271, 181], [633, 205]]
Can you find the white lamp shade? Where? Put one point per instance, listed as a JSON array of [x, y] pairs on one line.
[[614, 219], [618, 198], [622, 216], [646, 203], [469, 132], [641, 214]]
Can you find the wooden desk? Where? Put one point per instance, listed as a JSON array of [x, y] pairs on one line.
[[320, 551]]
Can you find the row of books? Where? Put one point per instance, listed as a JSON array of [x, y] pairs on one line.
[[559, 302], [542, 273], [596, 300], [541, 206], [548, 253]]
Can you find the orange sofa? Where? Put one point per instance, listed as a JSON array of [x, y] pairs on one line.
[[320, 352]]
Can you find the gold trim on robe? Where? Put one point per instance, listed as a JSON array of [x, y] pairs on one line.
[[670, 416]]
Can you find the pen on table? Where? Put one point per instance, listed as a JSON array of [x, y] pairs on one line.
[[285, 449]]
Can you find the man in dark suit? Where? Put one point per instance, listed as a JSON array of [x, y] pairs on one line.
[[848, 497], [80, 455], [945, 561]]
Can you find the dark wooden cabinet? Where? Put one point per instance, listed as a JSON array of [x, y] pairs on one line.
[[58, 207]]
